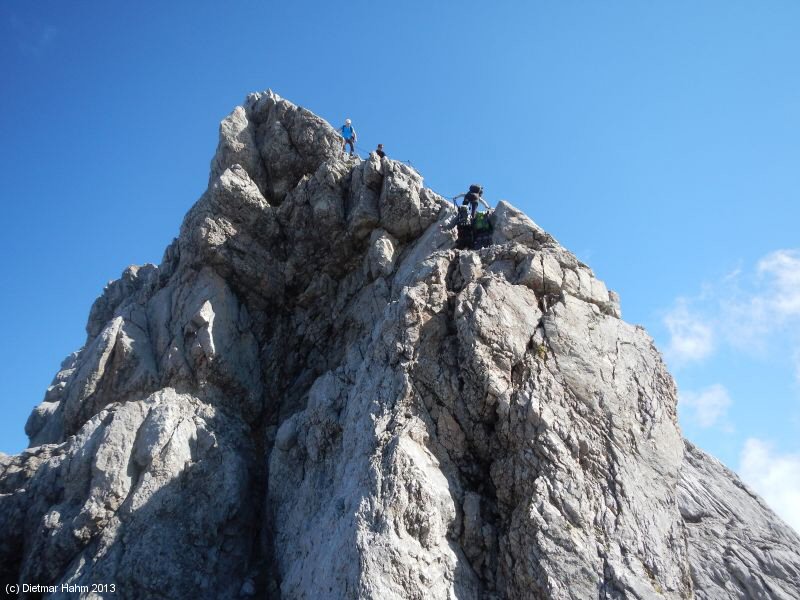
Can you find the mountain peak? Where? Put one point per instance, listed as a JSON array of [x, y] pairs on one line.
[[322, 392]]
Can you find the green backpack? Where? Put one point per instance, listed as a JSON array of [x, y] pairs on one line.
[[482, 222]]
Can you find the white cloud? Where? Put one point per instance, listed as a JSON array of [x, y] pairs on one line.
[[776, 477], [707, 407], [691, 338], [758, 306], [755, 310], [783, 269]]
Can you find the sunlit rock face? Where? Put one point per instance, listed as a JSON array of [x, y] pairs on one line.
[[316, 396]]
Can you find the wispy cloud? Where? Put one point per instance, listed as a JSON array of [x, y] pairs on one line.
[[747, 309], [707, 407], [691, 339], [775, 476], [782, 268], [752, 307]]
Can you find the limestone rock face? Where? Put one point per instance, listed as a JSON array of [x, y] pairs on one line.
[[315, 395], [738, 548]]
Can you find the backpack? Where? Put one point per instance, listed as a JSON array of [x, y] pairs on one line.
[[471, 198], [482, 222]]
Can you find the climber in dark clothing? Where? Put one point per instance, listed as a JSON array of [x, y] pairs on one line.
[[472, 197], [379, 151]]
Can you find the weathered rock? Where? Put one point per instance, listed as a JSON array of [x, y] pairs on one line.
[[137, 497], [512, 225], [737, 546], [365, 188], [237, 146], [382, 253], [315, 395], [291, 141], [406, 208]]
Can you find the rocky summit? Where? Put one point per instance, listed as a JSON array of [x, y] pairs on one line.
[[316, 395]]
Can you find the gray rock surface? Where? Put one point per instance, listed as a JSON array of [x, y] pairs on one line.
[[315, 395], [738, 547]]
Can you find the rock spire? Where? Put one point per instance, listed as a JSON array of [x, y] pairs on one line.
[[316, 396]]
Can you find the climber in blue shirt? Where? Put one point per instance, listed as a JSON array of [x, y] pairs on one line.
[[349, 135]]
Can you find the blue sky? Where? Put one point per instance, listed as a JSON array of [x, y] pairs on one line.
[[658, 141]]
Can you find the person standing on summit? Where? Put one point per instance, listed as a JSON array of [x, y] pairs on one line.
[[349, 136]]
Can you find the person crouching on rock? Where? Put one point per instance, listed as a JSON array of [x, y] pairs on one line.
[[379, 151], [472, 197], [349, 135]]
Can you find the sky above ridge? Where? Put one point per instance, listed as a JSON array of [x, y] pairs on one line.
[[660, 142]]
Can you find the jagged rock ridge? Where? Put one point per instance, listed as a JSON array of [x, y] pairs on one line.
[[315, 396]]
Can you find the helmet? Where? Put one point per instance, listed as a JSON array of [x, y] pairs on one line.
[[476, 188], [347, 121]]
